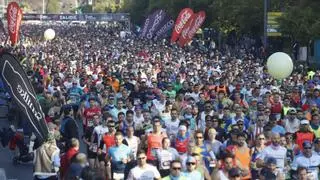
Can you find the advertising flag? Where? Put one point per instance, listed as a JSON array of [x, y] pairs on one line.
[[165, 26], [192, 28], [23, 93], [182, 19], [14, 17]]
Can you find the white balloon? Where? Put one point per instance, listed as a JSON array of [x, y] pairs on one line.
[[280, 65], [49, 34]]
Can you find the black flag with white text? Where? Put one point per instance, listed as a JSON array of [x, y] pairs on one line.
[[22, 92]]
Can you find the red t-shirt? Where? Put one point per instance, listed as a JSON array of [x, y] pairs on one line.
[[89, 113], [276, 108]]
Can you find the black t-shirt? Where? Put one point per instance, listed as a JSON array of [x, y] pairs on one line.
[[267, 174], [87, 135]]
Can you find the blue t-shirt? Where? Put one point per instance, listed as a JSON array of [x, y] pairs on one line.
[[278, 129], [193, 175], [117, 153]]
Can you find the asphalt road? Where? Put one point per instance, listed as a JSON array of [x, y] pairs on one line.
[[19, 172]]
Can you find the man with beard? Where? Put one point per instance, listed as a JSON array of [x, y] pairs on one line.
[[291, 123], [274, 150], [242, 153], [227, 163], [307, 159]]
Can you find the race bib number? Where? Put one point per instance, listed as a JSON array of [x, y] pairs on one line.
[[212, 164], [94, 147], [166, 165], [90, 123], [118, 176]]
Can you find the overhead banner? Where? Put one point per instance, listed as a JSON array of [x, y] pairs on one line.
[[192, 28], [22, 92], [77, 17], [14, 17], [183, 18]]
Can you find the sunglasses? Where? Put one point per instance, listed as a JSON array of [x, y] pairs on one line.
[[176, 168], [110, 126], [235, 176], [308, 148], [141, 158], [191, 163], [199, 137], [261, 138]]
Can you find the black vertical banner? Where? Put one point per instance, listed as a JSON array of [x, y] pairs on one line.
[[23, 93]]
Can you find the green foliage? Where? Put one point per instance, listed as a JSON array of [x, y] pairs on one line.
[[25, 7], [302, 21], [53, 6], [109, 6]]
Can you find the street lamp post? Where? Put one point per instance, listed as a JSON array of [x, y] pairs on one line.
[[43, 6], [265, 25]]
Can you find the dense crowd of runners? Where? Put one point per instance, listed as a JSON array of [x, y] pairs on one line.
[[151, 110]]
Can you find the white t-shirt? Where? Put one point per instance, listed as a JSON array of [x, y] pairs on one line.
[[312, 163], [164, 157], [172, 127], [138, 121], [133, 143], [100, 131], [279, 153], [158, 105], [148, 173], [222, 176], [292, 126]]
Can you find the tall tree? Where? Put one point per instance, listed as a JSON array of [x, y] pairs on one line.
[[53, 6], [302, 21]]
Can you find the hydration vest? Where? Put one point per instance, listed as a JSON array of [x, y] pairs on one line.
[[182, 145]]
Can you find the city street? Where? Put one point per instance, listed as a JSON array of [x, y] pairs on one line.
[[22, 171]]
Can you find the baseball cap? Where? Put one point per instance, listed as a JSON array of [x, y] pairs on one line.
[[317, 140], [67, 107], [292, 110], [20, 130], [234, 131], [307, 144], [111, 96], [234, 172], [304, 122], [191, 159], [182, 128], [271, 160], [254, 99], [240, 120]]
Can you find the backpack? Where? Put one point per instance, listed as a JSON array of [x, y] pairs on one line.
[[63, 124]]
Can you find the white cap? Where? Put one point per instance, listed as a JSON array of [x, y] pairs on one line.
[[182, 128], [303, 122]]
